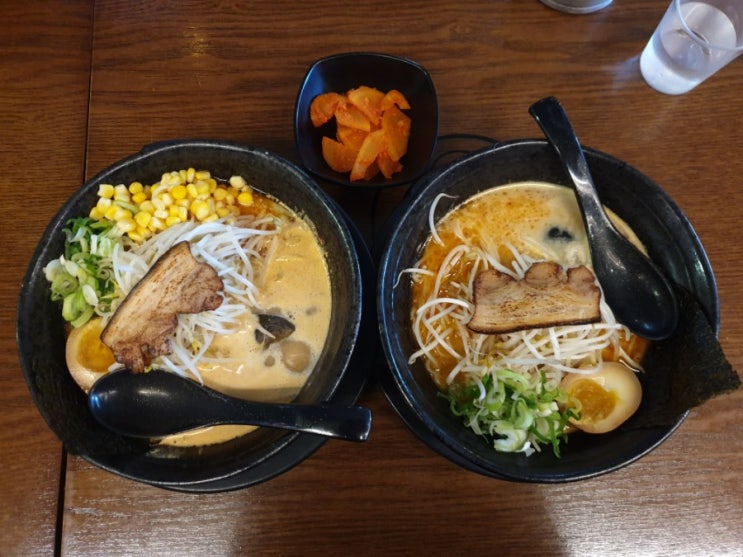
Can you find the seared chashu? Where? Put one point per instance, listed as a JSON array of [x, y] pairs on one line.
[[547, 296], [141, 326]]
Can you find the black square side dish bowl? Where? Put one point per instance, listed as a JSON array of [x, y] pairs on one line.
[[342, 72], [243, 461], [655, 218]]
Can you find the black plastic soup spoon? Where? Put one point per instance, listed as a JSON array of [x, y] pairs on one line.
[[636, 291], [160, 403]]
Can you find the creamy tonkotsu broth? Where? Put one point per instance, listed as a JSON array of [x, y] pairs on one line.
[[296, 285], [210, 279], [536, 219]]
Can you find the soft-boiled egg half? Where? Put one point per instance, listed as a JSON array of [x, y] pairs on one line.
[[607, 398], [87, 357]]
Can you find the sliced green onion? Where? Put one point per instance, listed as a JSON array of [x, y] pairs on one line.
[[83, 276], [517, 415]]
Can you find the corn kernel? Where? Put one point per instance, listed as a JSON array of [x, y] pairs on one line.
[[190, 174], [143, 218], [171, 220], [200, 209], [161, 213], [96, 213], [126, 224], [202, 175], [147, 206], [170, 179], [121, 193], [139, 197], [122, 214], [245, 198], [211, 217], [103, 203], [167, 199], [192, 191], [136, 187], [156, 224], [179, 192], [135, 236], [144, 232], [111, 212], [202, 188], [223, 212], [106, 190], [158, 203], [238, 181], [220, 194]]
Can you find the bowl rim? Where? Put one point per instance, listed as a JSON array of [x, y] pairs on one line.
[[398, 383], [327, 174]]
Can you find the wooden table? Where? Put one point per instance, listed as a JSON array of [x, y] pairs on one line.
[[86, 83]]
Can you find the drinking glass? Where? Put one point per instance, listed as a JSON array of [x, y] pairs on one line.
[[694, 40]]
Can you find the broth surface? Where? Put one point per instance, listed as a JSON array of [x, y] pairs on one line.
[[297, 286], [537, 219]]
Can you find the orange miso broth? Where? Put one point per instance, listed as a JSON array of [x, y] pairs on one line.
[[533, 220]]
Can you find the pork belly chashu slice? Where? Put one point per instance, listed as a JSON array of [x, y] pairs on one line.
[[141, 326], [547, 296]]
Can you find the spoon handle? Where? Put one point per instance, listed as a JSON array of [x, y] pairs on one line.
[[351, 423], [556, 126]]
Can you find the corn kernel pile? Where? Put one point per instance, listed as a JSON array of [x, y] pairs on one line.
[[140, 211]]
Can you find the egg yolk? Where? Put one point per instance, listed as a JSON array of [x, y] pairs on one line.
[[607, 397], [87, 357], [92, 353], [596, 402]]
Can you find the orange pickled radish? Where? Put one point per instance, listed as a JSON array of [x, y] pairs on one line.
[[369, 101], [339, 157], [394, 97], [323, 108], [372, 132], [350, 137], [349, 115], [396, 126]]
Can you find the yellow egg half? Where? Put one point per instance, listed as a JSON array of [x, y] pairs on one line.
[[608, 397], [87, 357]]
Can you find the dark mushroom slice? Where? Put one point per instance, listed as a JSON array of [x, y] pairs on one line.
[[274, 328]]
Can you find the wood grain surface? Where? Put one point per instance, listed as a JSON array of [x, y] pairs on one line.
[[87, 83]]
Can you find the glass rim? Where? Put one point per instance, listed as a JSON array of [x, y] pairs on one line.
[[676, 5]]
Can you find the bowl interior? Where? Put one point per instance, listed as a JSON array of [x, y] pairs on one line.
[[41, 330], [658, 222], [343, 72]]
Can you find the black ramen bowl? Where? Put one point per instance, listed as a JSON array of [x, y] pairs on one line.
[[658, 222], [342, 72], [259, 455]]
